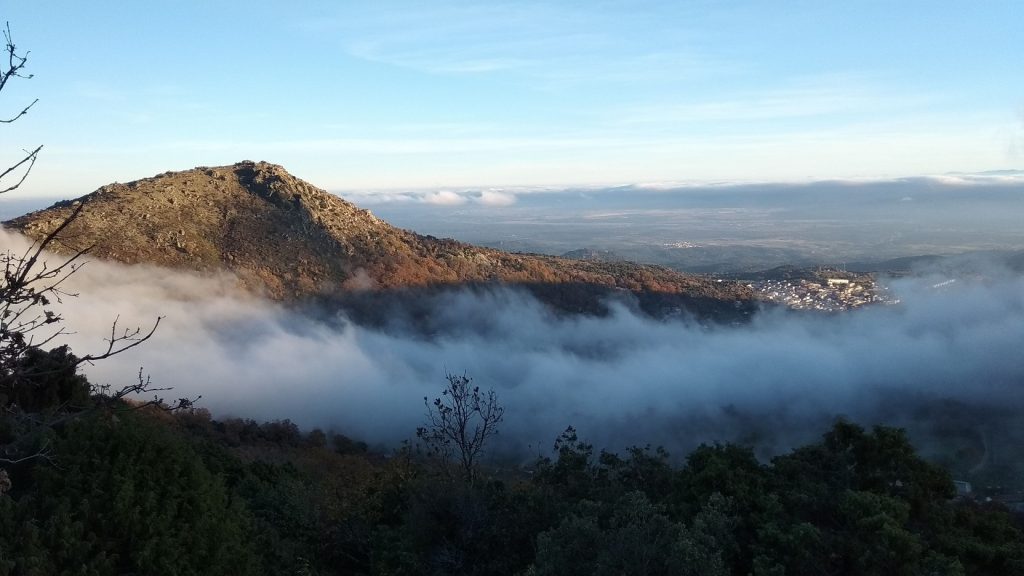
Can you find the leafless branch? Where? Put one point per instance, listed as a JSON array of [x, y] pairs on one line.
[[19, 114], [30, 157], [119, 342], [144, 386], [29, 286], [15, 62], [460, 422], [14, 69]]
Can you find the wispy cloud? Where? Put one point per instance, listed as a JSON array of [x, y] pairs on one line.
[[99, 92], [447, 197], [433, 61], [550, 44], [404, 146], [494, 198], [444, 198], [833, 95], [1015, 137]]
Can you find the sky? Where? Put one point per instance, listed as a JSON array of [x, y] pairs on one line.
[[429, 94]]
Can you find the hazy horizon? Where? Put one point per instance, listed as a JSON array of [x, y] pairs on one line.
[[717, 228]]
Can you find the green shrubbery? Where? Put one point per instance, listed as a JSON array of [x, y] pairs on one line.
[[153, 493], [125, 495]]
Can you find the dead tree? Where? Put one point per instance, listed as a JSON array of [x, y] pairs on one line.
[[460, 422], [13, 67], [29, 325]]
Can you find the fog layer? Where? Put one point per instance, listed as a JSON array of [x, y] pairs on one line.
[[621, 379]]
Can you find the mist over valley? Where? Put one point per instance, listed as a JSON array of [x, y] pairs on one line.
[[939, 357]]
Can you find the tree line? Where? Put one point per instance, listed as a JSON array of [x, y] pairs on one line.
[[151, 492]]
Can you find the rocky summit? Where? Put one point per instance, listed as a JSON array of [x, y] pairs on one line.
[[291, 240]]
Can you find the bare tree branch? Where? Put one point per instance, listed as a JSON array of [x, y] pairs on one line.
[[20, 114], [15, 62], [40, 388], [13, 69], [460, 423], [117, 399], [117, 343], [31, 159]]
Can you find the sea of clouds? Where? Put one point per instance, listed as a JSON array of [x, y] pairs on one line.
[[621, 379]]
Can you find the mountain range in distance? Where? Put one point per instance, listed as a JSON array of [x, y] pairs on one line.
[[291, 241]]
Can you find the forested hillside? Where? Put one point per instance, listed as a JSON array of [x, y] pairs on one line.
[[124, 489]]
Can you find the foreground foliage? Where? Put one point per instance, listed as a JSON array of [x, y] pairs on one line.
[[154, 493]]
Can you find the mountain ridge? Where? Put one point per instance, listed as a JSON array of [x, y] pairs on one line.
[[291, 240]]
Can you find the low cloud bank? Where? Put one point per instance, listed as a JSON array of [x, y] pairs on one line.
[[490, 198], [621, 379]]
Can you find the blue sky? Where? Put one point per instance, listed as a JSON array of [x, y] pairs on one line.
[[376, 95]]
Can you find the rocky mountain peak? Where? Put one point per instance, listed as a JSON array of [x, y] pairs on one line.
[[289, 239]]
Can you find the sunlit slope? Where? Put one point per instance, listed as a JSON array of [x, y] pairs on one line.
[[289, 239]]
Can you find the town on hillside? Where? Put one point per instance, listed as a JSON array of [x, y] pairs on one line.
[[825, 291]]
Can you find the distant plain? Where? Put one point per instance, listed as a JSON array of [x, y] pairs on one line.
[[730, 228]]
